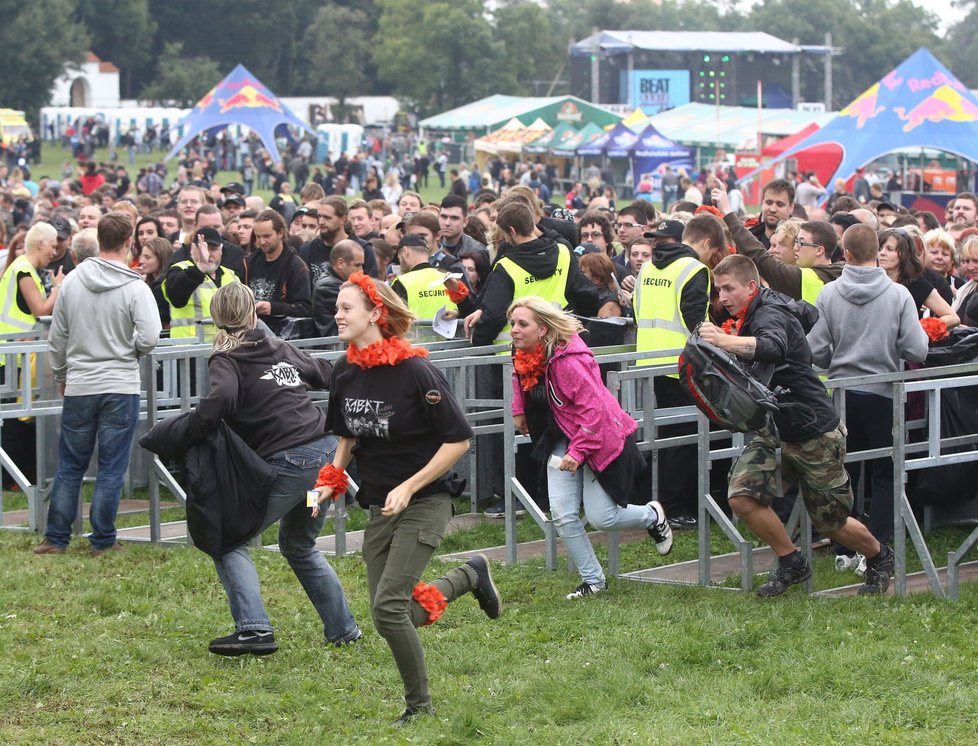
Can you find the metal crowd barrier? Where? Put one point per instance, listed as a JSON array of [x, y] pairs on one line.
[[174, 376]]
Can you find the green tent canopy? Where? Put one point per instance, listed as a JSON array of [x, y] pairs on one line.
[[559, 134], [568, 148]]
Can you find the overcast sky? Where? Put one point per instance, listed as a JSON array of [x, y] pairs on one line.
[[943, 9]]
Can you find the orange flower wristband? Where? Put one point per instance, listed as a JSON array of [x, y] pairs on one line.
[[334, 478], [458, 295]]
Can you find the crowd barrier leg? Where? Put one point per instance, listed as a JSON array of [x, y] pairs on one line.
[[954, 561], [708, 506], [540, 518]]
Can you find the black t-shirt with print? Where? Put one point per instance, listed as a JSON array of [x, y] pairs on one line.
[[400, 416]]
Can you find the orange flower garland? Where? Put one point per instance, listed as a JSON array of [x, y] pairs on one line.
[[711, 209], [459, 294], [388, 351], [366, 284], [935, 328], [530, 366], [431, 600], [732, 326], [334, 478]]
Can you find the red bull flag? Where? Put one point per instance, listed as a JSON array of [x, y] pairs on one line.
[[918, 104], [244, 100]]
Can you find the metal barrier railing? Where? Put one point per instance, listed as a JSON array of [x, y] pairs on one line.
[[174, 375]]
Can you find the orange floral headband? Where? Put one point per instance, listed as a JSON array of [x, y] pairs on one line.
[[366, 284]]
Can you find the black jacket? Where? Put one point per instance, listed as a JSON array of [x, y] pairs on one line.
[[227, 482], [324, 303], [773, 321], [539, 258]]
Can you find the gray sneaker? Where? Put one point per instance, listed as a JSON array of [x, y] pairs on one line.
[[783, 577]]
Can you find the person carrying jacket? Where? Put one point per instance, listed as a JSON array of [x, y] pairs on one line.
[[815, 245], [581, 433], [260, 388], [532, 266], [766, 332]]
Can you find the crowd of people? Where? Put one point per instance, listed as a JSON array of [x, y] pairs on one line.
[[784, 290]]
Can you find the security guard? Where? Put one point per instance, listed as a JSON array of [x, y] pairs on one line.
[[671, 297], [531, 264], [190, 285], [416, 284]]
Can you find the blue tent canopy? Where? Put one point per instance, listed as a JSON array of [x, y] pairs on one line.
[[920, 104], [650, 153], [239, 99], [619, 133]]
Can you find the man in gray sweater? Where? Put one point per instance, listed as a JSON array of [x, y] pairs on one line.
[[103, 320], [866, 324]]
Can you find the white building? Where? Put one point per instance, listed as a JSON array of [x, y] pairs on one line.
[[93, 83]]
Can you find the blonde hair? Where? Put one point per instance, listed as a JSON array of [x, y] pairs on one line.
[[233, 312], [399, 316], [560, 326], [787, 231], [940, 237], [969, 249], [39, 233]]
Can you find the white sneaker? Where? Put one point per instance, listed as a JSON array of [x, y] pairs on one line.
[[661, 532], [586, 589]]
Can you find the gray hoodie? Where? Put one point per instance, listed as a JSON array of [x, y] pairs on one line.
[[866, 324], [104, 318]]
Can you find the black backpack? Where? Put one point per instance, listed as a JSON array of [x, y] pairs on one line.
[[723, 388]]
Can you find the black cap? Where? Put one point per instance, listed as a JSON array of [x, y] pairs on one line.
[[668, 229], [402, 225], [413, 240], [62, 226], [234, 199], [210, 236], [310, 211], [887, 206], [233, 187]]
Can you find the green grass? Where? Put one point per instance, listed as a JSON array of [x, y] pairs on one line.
[[113, 650]]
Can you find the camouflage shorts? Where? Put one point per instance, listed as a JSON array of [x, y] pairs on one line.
[[816, 465]]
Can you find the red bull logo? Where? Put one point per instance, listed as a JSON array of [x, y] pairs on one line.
[[944, 104], [864, 107], [250, 97], [207, 99]]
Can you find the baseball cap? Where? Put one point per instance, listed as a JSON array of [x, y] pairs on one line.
[[402, 225], [887, 206], [668, 229], [310, 211], [587, 248], [234, 199], [62, 226], [413, 240], [210, 236], [233, 187]]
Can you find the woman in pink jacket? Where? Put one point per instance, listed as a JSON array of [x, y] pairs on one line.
[[581, 432]]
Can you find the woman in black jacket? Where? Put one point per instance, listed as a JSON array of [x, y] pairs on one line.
[[259, 387]]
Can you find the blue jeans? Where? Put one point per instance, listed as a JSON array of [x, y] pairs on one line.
[[298, 468], [566, 492], [109, 419]]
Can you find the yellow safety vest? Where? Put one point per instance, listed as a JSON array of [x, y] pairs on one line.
[[553, 288], [658, 313], [811, 285], [423, 300], [184, 320], [12, 319]]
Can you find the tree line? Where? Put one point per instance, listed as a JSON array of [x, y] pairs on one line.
[[432, 54]]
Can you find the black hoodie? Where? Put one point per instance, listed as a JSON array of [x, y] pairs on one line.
[[539, 258], [261, 389], [781, 343]]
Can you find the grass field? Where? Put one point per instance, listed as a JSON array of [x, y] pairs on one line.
[[113, 650]]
